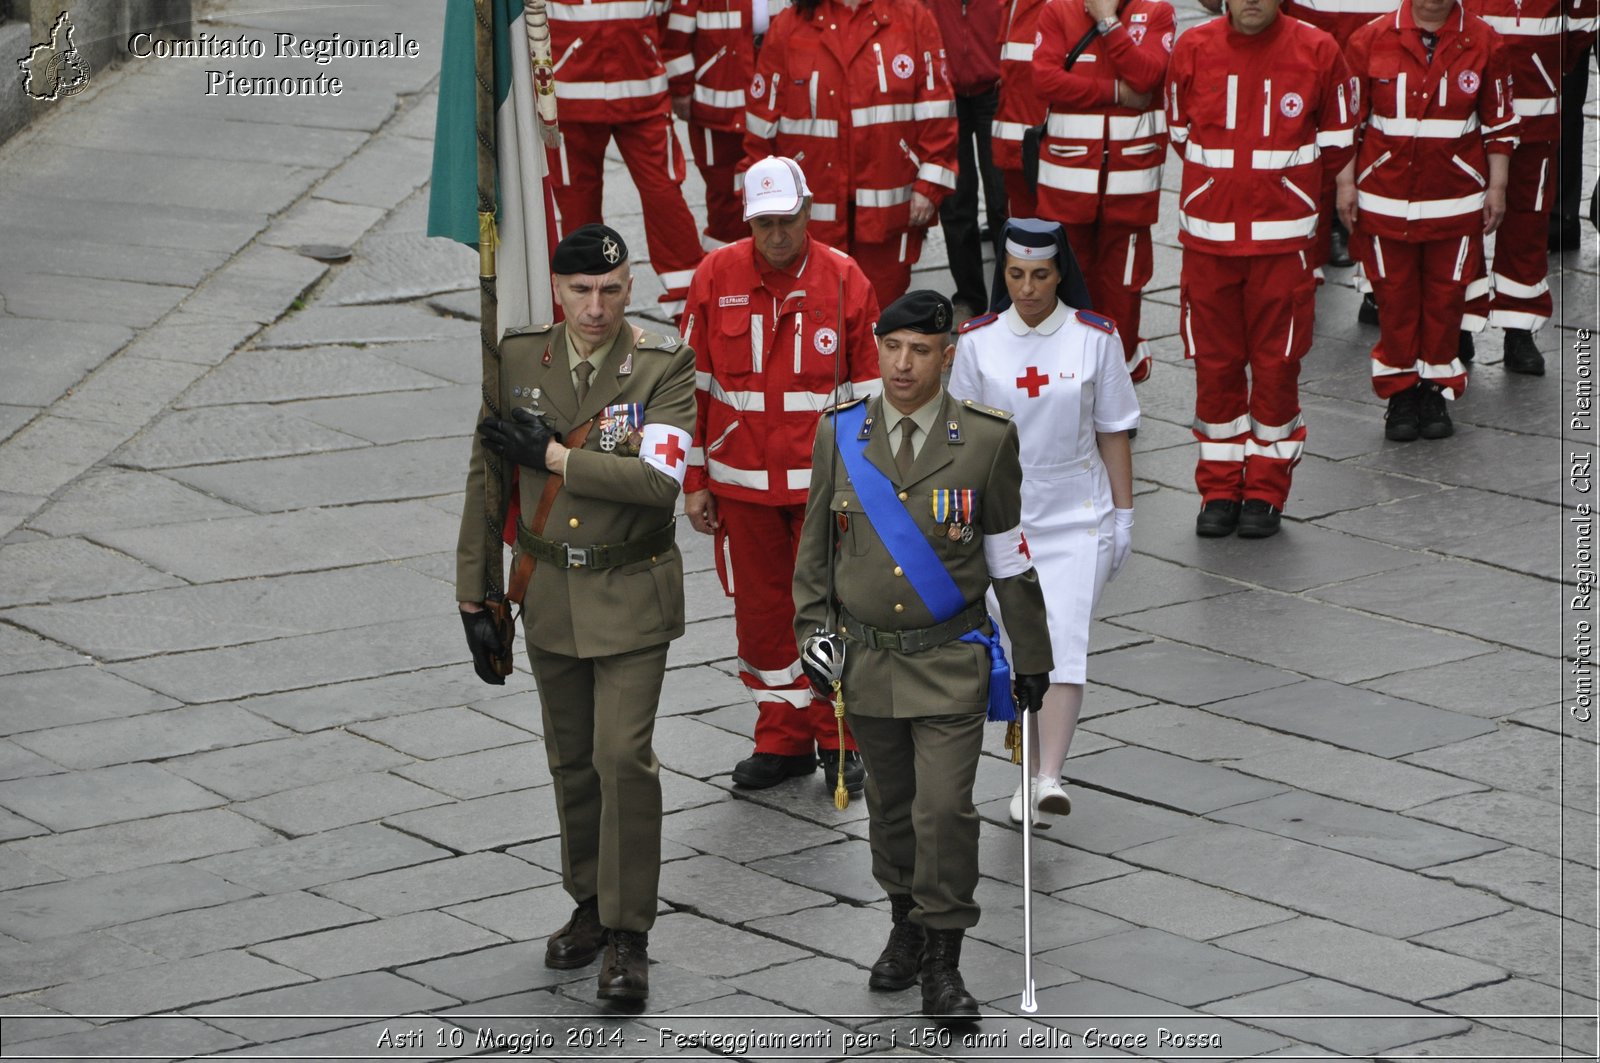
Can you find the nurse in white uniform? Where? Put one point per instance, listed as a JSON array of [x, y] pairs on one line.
[[1061, 373]]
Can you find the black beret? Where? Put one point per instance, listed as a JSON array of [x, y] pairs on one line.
[[595, 248], [922, 311]]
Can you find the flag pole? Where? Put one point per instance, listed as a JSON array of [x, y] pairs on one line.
[[1029, 1005], [496, 472]]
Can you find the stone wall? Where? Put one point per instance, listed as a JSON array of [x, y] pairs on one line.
[[101, 32]]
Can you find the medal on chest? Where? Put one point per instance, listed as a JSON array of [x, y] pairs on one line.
[[622, 428], [954, 508]]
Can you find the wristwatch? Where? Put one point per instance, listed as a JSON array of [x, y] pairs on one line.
[[1106, 25]]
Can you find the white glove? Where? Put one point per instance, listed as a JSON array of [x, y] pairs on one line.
[[1121, 540]]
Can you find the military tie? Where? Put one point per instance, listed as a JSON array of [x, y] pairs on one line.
[[585, 370], [904, 456]]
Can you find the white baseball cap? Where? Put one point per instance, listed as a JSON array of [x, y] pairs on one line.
[[775, 185]]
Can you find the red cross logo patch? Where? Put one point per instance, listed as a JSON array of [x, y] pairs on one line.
[[1166, 40], [1137, 33], [902, 66], [758, 87], [1032, 382], [826, 341], [1291, 105], [1468, 81]]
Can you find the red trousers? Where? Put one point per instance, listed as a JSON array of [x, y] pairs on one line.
[[755, 549], [1117, 262], [1521, 296], [655, 160], [716, 153], [888, 265], [1239, 313], [1021, 201], [1421, 289]]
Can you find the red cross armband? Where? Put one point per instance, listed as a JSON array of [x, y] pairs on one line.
[[667, 449]]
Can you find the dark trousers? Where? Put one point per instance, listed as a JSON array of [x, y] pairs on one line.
[[958, 214], [1568, 205]]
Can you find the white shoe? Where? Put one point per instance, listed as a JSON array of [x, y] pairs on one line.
[[1015, 811], [1048, 796]]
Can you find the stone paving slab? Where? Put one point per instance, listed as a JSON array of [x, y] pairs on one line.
[[1357, 719], [143, 842], [106, 500], [35, 913], [151, 225], [153, 736], [302, 661], [1348, 828], [433, 885], [103, 795], [1530, 879], [45, 358], [19, 763], [716, 951], [236, 924], [743, 832], [332, 999], [456, 359], [384, 943], [1169, 781], [365, 324], [1359, 1031], [337, 704], [1525, 614], [1358, 777], [1105, 823], [308, 373], [339, 803], [1518, 819], [396, 417], [145, 1038], [1522, 760], [23, 652], [492, 771], [1056, 922], [436, 733], [844, 870], [700, 750], [1056, 865], [316, 220], [1479, 1042], [55, 570], [394, 266], [370, 474], [530, 915], [695, 689], [724, 891], [1153, 583], [64, 960], [1184, 675], [186, 337], [1528, 548], [128, 391], [491, 972], [285, 764], [1557, 952], [1373, 961], [13, 827], [1481, 457], [332, 856], [20, 871], [485, 822], [1175, 905], [52, 451], [1172, 967], [1308, 638], [1316, 881], [110, 302], [218, 435], [1513, 1005]]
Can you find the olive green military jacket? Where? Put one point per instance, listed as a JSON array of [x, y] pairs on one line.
[[608, 498], [971, 447]]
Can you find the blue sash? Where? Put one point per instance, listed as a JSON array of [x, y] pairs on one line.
[[910, 549]]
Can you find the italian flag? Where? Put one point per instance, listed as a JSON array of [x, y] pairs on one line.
[[524, 207]]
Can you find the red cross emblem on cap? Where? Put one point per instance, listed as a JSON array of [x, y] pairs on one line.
[[766, 184]]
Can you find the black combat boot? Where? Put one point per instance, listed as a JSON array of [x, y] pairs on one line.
[[1403, 421], [1521, 354], [945, 999], [896, 967]]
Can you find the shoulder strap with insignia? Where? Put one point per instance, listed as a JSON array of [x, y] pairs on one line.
[[977, 407], [977, 322], [529, 330], [644, 340], [1099, 321], [845, 405]]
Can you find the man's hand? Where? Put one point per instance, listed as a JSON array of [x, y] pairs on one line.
[[1121, 540], [701, 509], [1030, 690], [1100, 10], [680, 107], [1494, 209], [482, 641], [524, 440], [921, 210], [1126, 96]]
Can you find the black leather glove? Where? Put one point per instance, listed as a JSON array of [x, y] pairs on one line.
[[484, 644], [1030, 690], [521, 440]]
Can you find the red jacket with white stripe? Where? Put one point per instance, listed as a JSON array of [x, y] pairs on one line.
[[1262, 122], [1542, 38], [969, 29], [712, 43], [1340, 18], [1099, 158], [609, 62], [860, 99], [1020, 106], [1423, 161], [766, 348]]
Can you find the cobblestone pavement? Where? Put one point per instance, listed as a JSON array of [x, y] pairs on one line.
[[1328, 798]]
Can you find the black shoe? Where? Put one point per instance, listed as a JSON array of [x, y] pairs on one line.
[[1258, 520], [1403, 422], [625, 974], [897, 965], [577, 943], [1521, 355], [1339, 247], [1368, 312], [1133, 433], [1466, 351], [1217, 518], [1433, 414], [855, 772], [762, 770], [945, 999]]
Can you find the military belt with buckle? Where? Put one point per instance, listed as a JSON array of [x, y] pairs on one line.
[[914, 640], [565, 555]]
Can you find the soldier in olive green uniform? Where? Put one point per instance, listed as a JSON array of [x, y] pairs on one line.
[[606, 593], [915, 692]]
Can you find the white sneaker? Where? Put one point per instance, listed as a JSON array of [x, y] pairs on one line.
[[1015, 811], [1048, 796]]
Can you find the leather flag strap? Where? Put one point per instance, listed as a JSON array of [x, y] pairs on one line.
[[522, 568]]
